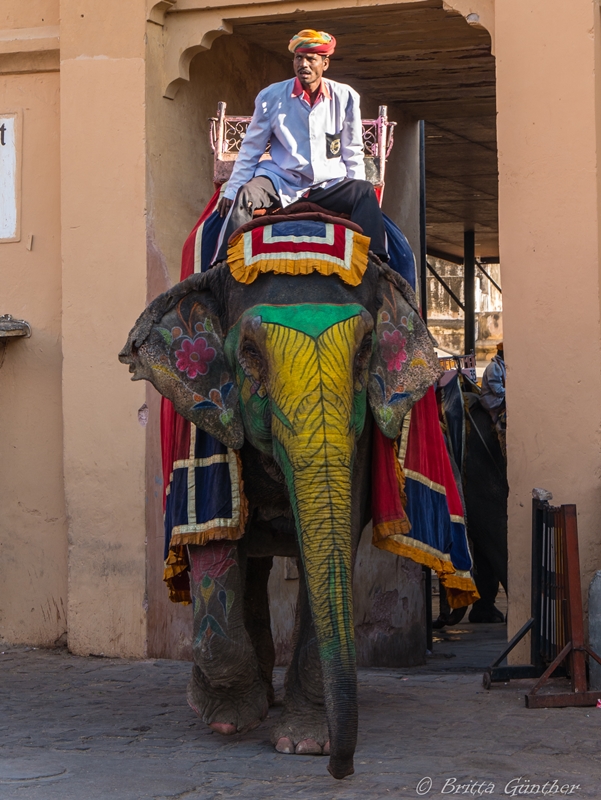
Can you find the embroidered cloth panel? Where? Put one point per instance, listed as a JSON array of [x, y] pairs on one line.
[[299, 248]]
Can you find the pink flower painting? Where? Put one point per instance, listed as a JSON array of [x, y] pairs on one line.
[[195, 356], [213, 561], [392, 347]]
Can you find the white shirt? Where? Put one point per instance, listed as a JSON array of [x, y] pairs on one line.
[[303, 157]]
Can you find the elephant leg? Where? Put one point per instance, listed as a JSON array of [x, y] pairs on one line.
[[487, 583], [226, 688], [447, 615], [303, 726], [257, 618]]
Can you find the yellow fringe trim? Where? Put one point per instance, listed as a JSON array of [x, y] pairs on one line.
[[238, 258], [385, 529], [175, 565], [400, 478], [177, 558], [461, 589]]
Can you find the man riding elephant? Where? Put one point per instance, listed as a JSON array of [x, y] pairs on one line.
[[314, 128], [296, 357]]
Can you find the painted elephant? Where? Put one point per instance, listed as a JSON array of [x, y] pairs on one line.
[[474, 444], [291, 371]]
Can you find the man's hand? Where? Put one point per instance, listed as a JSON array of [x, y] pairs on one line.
[[224, 206]]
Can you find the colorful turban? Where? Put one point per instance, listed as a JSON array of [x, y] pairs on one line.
[[310, 41]]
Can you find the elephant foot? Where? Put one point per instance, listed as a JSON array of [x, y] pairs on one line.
[[485, 613], [228, 709], [454, 617], [302, 730], [306, 747]]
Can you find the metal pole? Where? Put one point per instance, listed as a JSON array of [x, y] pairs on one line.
[[469, 290], [423, 283], [427, 572]]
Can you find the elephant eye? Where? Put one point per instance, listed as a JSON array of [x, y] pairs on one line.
[[248, 350], [363, 355]]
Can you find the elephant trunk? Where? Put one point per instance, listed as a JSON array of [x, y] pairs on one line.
[[314, 423], [322, 510]]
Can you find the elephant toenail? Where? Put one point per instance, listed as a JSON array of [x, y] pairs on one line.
[[326, 749], [284, 745], [225, 728], [308, 747]]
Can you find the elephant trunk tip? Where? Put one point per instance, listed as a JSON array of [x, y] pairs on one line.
[[339, 768]]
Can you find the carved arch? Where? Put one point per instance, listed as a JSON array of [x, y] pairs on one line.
[[189, 29]]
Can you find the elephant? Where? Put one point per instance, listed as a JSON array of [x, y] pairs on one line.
[[473, 442], [291, 371], [486, 491]]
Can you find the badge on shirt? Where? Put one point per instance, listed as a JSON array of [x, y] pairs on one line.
[[332, 145]]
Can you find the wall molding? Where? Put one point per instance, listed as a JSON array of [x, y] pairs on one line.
[[26, 50]]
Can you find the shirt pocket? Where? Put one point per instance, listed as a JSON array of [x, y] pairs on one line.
[[333, 145]]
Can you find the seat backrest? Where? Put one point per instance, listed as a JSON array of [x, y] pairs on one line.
[[226, 134], [466, 363]]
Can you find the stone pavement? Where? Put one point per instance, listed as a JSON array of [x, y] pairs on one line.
[[94, 728]]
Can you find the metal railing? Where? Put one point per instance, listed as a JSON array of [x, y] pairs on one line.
[[556, 624]]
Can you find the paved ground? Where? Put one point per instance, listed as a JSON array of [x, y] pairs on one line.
[[94, 728]]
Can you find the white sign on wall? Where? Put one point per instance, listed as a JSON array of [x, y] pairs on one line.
[[10, 177]]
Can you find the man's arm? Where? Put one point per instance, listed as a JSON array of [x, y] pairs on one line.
[[252, 148], [493, 386], [351, 140]]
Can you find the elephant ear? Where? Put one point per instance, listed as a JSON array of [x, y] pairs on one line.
[[177, 345], [404, 363]]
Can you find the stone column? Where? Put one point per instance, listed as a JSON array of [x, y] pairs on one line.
[[547, 100], [104, 289], [594, 629]]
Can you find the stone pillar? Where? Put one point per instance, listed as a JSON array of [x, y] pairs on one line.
[[103, 204], [388, 603], [547, 87]]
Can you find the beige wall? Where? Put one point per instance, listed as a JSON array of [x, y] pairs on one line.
[[33, 539], [549, 222], [30, 14], [103, 234]]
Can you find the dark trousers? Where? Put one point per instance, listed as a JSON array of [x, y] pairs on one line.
[[355, 198]]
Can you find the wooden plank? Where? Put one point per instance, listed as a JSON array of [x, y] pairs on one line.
[[563, 700]]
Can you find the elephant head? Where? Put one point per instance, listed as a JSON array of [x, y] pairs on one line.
[[290, 363]]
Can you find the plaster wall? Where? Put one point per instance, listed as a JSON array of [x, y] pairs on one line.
[[549, 229], [30, 14], [103, 193], [33, 535]]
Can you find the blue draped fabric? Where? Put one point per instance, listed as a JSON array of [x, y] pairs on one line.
[[401, 255]]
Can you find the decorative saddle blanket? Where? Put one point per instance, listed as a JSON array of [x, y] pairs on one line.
[[317, 243], [417, 510]]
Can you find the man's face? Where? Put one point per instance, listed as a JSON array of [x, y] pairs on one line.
[[309, 67]]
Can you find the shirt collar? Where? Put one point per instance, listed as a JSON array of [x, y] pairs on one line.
[[323, 93]]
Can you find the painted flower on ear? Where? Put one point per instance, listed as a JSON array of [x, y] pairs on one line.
[[392, 347], [195, 356]]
